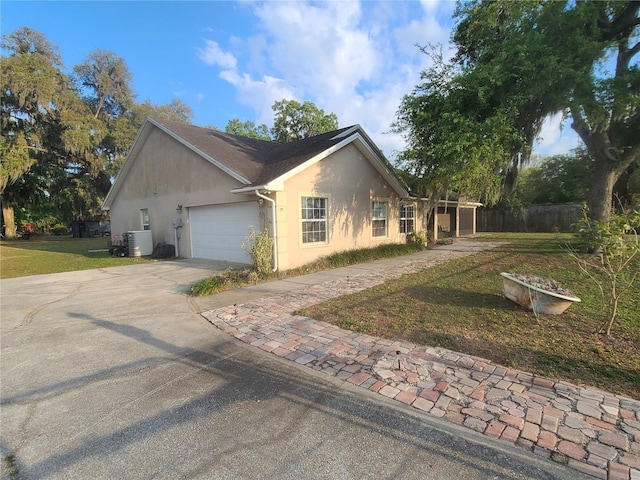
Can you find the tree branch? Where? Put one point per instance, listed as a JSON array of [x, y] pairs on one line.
[[623, 24], [579, 124]]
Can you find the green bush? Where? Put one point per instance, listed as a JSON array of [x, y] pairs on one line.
[[225, 281], [417, 238], [206, 286], [59, 229], [48, 224]]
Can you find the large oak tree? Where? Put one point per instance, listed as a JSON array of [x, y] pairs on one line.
[[471, 122], [32, 85], [292, 121], [64, 136]]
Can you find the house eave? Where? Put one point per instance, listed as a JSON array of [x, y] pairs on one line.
[[461, 204], [269, 187], [126, 165]]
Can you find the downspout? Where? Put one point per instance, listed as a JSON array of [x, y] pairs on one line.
[[275, 228]]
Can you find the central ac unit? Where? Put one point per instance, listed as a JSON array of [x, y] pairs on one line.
[[140, 243]]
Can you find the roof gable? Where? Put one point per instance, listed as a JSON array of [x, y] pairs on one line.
[[338, 140]]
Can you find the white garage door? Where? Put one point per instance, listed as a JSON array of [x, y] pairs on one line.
[[217, 231]]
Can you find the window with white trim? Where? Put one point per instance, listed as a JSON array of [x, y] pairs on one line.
[[314, 219], [379, 218], [407, 218], [144, 215]]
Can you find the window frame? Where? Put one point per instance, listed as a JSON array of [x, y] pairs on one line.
[[404, 219], [375, 229], [144, 219], [313, 214]]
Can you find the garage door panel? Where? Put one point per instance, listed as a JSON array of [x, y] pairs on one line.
[[217, 231]]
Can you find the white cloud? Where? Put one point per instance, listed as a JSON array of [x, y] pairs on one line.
[[354, 59], [430, 5], [259, 94], [421, 32], [327, 54], [213, 55], [321, 48], [555, 137]]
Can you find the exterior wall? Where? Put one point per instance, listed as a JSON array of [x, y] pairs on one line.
[[445, 219], [466, 221], [350, 183], [166, 174]]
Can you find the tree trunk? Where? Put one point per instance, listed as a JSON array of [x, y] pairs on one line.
[[609, 165], [600, 197], [8, 221]]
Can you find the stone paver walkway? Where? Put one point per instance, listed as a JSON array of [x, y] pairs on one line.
[[593, 431]]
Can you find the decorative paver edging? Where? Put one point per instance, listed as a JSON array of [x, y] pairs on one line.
[[593, 431]]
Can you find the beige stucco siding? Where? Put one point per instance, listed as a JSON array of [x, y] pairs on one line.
[[350, 183], [162, 176]]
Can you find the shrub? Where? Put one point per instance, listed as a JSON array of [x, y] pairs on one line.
[[218, 283], [59, 229], [51, 224], [259, 246], [417, 238], [614, 244]]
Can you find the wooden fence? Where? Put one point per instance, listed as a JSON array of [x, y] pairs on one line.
[[536, 218]]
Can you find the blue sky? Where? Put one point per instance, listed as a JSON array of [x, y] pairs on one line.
[[235, 59]]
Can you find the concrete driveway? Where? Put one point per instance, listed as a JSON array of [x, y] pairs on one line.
[[112, 373]]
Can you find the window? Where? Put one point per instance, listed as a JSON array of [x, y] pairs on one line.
[[314, 220], [379, 218], [144, 213], [407, 218]]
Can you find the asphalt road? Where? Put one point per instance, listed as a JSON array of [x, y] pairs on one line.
[[111, 374]]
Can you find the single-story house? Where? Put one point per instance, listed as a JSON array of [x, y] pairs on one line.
[[201, 189]]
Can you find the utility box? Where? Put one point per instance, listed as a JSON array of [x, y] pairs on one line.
[[140, 243]]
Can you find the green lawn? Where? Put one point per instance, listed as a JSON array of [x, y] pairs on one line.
[[55, 254], [459, 305]]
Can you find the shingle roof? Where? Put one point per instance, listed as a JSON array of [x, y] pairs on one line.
[[258, 161]]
